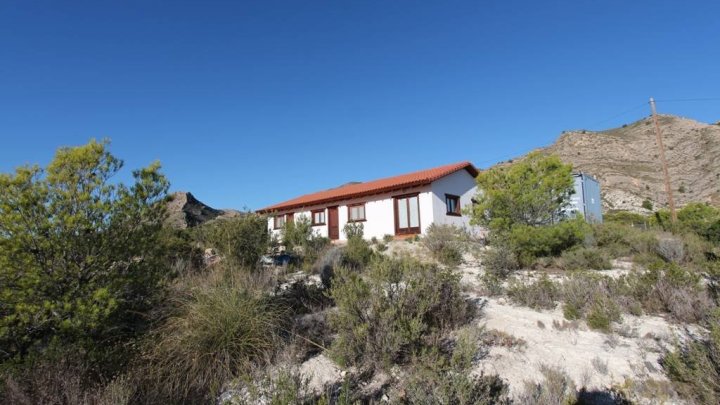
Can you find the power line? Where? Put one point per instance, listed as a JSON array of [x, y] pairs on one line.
[[635, 108], [676, 100]]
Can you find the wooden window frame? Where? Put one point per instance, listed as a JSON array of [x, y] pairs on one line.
[[275, 221], [409, 230], [458, 210], [312, 216], [364, 218]]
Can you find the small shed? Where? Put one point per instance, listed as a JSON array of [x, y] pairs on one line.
[[586, 199]]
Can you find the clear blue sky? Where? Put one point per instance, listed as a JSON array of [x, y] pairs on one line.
[[247, 103]]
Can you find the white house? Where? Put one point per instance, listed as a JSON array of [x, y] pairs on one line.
[[400, 206]]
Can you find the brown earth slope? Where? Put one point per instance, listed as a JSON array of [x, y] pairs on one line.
[[625, 161]]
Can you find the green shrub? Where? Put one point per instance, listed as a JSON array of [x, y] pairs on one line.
[[357, 253], [387, 238], [625, 217], [541, 294], [82, 256], [531, 242], [283, 388], [647, 204], [215, 331], [240, 240], [584, 259], [446, 243], [354, 230], [386, 314], [602, 312], [500, 260], [441, 378], [694, 368]]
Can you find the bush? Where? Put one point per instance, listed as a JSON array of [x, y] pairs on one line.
[[385, 315], [215, 331], [647, 204], [557, 388], [387, 238], [694, 368], [240, 240], [530, 243], [446, 243], [82, 257], [602, 312], [437, 377], [500, 260], [671, 248], [357, 252], [584, 259], [541, 294]]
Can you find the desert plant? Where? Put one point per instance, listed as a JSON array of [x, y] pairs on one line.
[[357, 253], [500, 260], [541, 294], [240, 240], [442, 378], [446, 243], [556, 388], [386, 314], [671, 248], [647, 204], [532, 242], [584, 259], [215, 331], [694, 368]]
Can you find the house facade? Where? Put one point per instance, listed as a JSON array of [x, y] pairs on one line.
[[401, 206]]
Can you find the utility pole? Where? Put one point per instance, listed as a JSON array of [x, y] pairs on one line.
[[663, 161]]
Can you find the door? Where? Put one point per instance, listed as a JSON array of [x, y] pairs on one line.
[[407, 215], [290, 218], [333, 223]]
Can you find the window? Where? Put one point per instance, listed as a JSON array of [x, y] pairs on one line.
[[279, 222], [318, 217], [356, 213], [407, 215], [452, 203]]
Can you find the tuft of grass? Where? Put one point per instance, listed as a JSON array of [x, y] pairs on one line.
[[215, 332], [542, 294]]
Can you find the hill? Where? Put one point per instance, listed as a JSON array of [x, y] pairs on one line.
[[626, 162], [186, 211]]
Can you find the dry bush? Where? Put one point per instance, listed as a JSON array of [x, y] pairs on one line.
[[445, 378], [670, 248], [541, 294], [214, 332], [500, 260], [694, 368], [556, 388], [496, 337], [584, 259], [389, 312], [446, 243]]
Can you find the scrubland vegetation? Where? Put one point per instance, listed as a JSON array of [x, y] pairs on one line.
[[101, 303]]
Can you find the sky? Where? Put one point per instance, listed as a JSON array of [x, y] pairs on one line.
[[249, 103]]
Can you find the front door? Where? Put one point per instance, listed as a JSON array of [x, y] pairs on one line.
[[333, 223], [407, 215]]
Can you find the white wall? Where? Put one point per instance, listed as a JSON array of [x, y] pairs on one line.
[[460, 183], [380, 210]]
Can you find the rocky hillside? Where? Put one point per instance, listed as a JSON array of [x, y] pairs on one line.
[[625, 160], [186, 211]]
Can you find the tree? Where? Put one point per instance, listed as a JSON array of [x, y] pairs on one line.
[[533, 191], [80, 255]]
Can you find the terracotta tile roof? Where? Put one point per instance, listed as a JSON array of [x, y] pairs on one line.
[[355, 190]]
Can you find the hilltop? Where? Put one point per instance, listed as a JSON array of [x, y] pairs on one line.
[[625, 160], [186, 211]]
